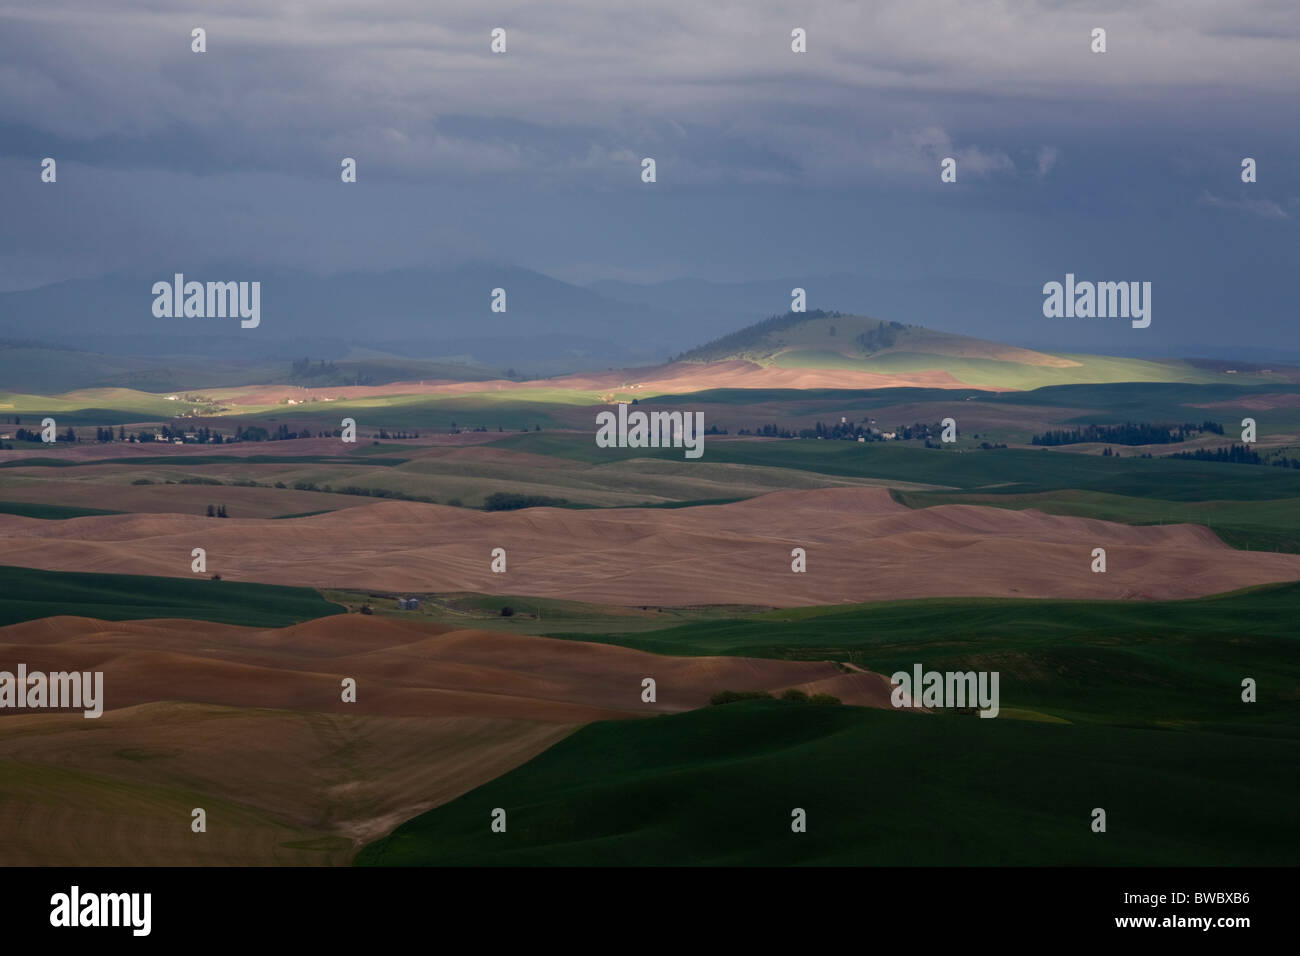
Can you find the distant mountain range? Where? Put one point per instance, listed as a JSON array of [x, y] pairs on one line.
[[425, 321], [411, 313], [815, 349]]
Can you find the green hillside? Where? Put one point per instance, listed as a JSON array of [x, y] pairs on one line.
[[50, 512], [27, 594], [833, 340], [1137, 662], [1132, 707], [717, 787]]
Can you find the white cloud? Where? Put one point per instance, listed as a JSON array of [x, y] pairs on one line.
[[918, 152], [1047, 157], [1264, 208]]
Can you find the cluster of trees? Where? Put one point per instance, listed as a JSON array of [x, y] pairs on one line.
[[881, 337], [206, 436], [1130, 433], [258, 433], [357, 490], [201, 436], [219, 512], [164, 433], [916, 430], [456, 429], [768, 431], [509, 501], [844, 430], [378, 493], [848, 431], [302, 368], [26, 434], [1238, 455], [326, 373], [749, 338]]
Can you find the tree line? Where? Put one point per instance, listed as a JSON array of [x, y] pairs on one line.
[[752, 336], [1130, 433], [846, 431], [1237, 455]]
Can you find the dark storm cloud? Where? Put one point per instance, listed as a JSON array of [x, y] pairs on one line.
[[769, 162], [414, 87]]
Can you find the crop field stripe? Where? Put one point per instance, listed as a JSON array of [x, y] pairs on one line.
[[27, 594], [51, 512]]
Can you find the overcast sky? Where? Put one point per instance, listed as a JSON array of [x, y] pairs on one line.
[[1118, 166]]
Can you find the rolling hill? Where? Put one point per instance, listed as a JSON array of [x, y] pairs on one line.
[[716, 787], [249, 722], [737, 553], [835, 342], [591, 349]]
